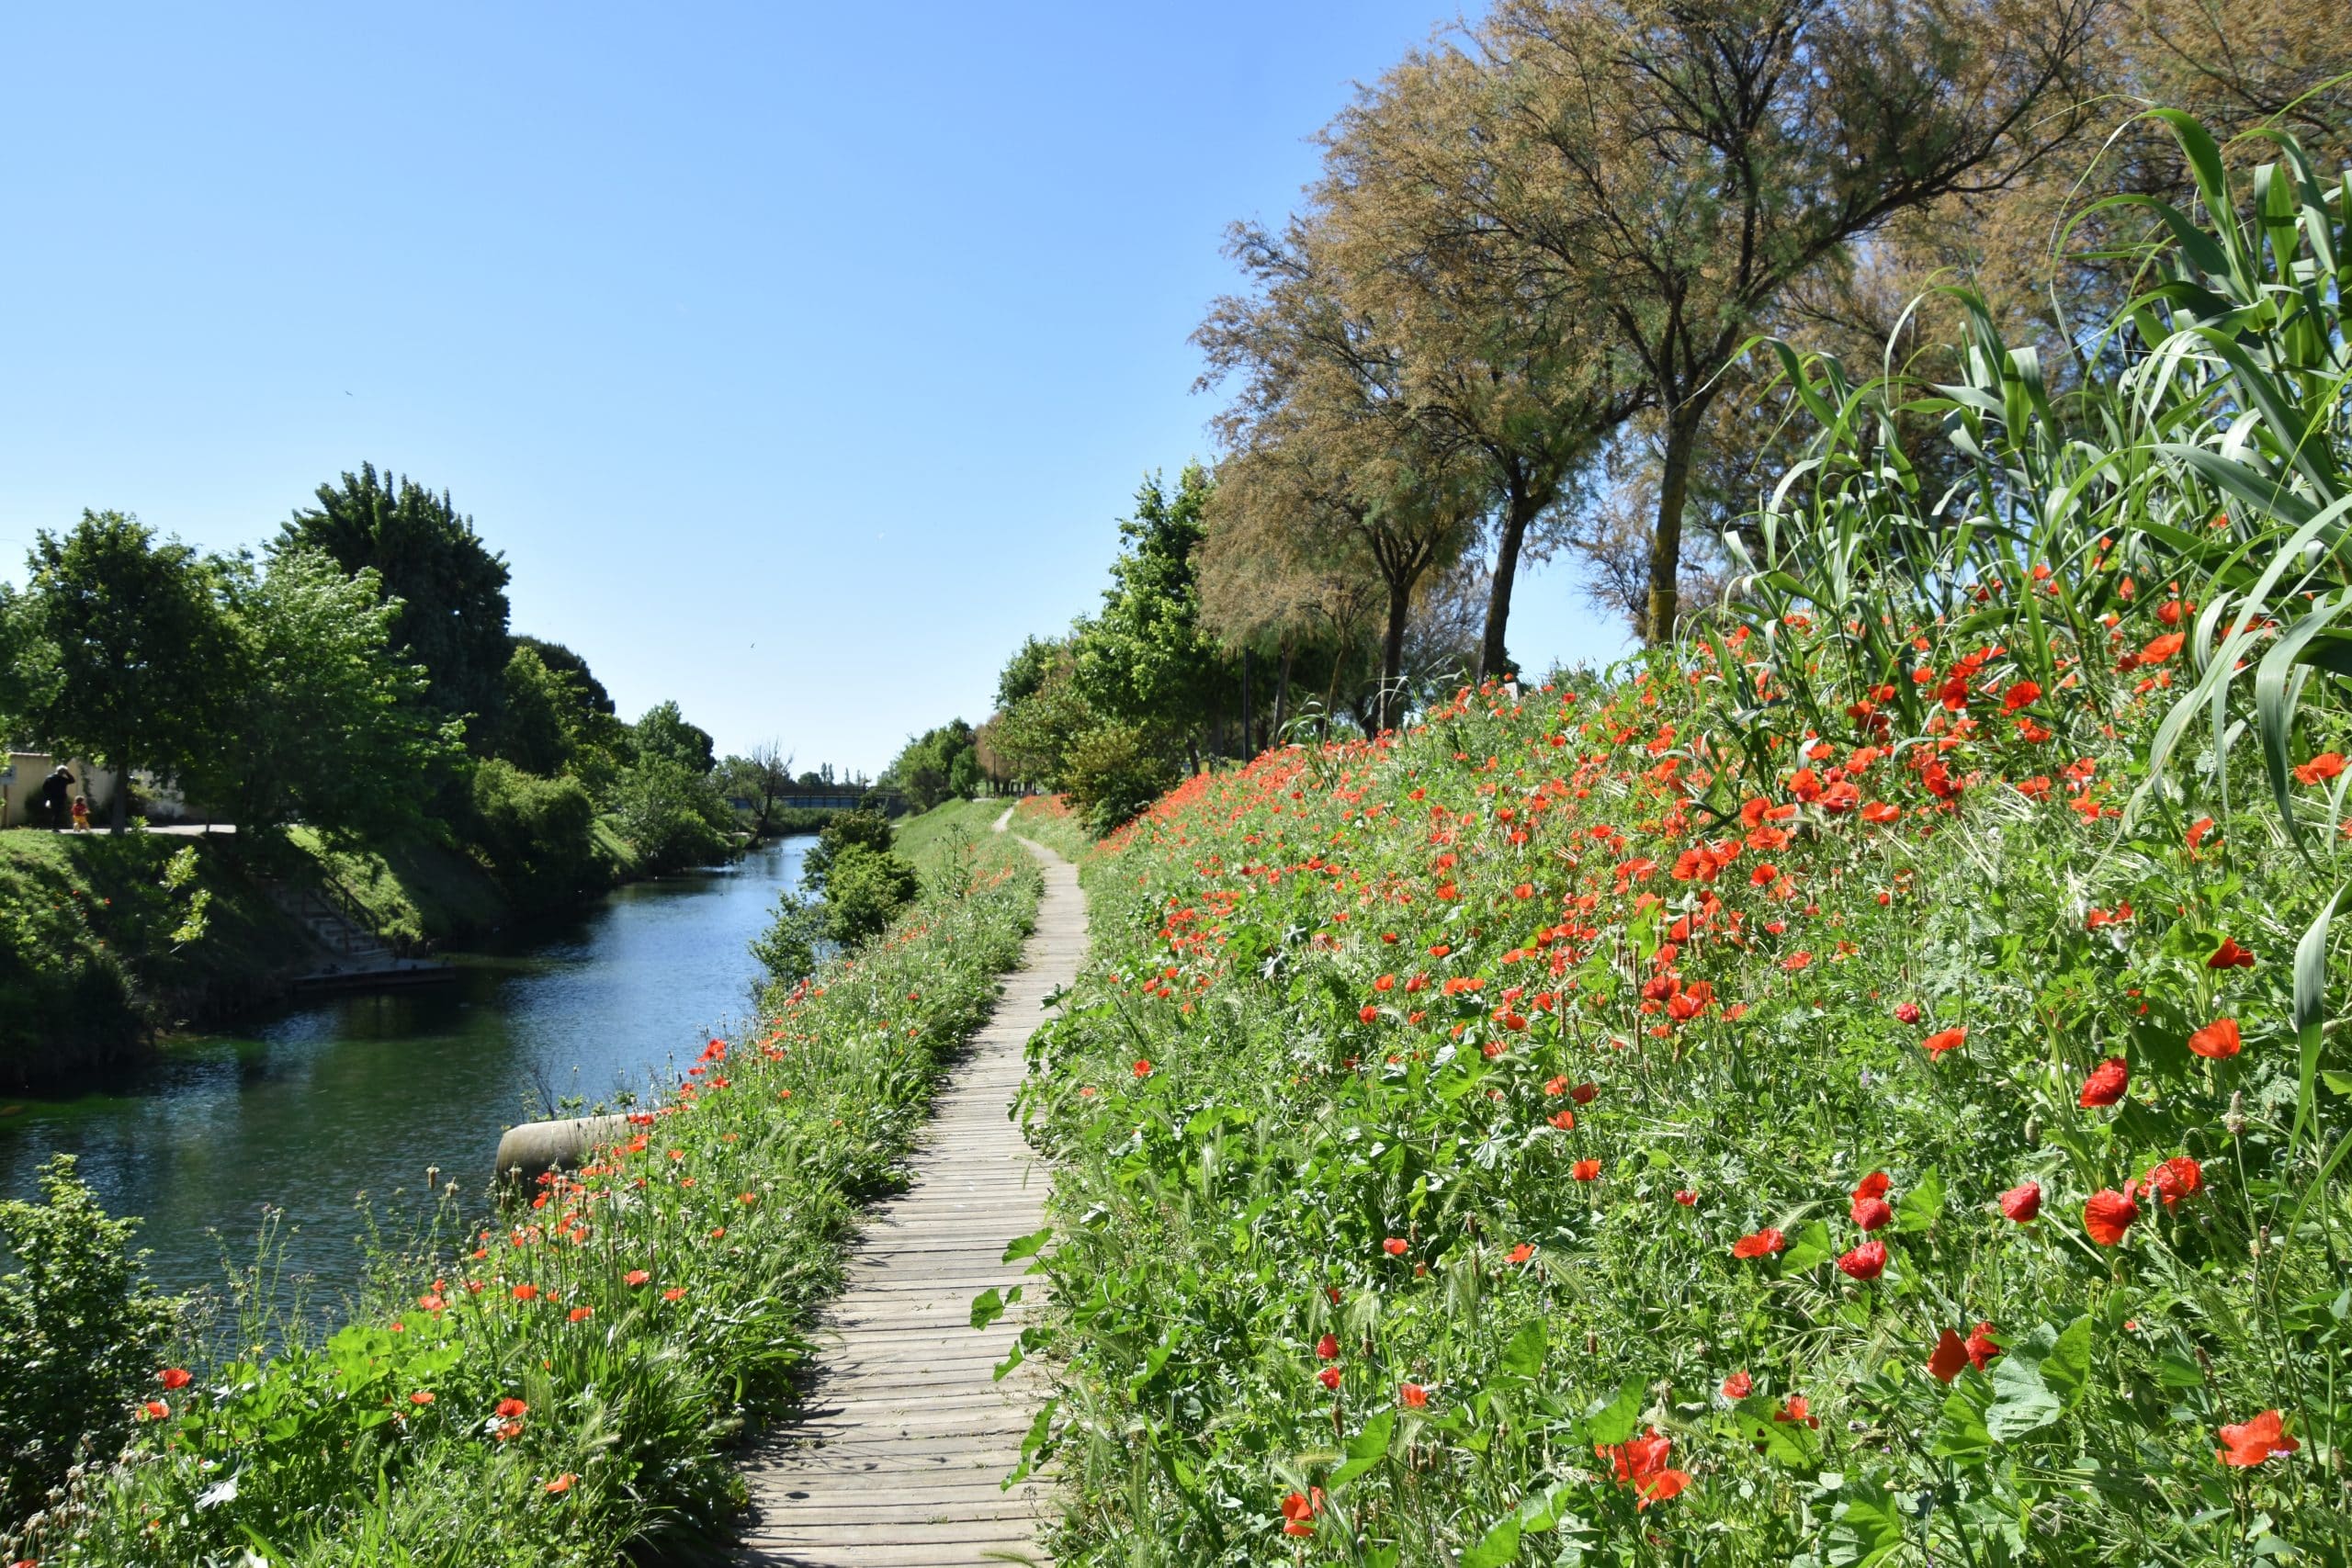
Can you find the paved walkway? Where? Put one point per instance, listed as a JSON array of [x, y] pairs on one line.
[[898, 1458]]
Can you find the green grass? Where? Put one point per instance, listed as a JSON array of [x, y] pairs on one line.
[[88, 959]]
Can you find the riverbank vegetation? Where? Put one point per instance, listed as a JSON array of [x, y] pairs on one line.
[[354, 705], [568, 1379], [1862, 1084]]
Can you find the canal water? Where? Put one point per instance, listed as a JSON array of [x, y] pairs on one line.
[[308, 1109]]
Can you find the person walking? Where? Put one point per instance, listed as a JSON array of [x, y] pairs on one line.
[[81, 813], [56, 797]]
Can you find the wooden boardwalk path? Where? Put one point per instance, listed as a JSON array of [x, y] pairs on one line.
[[898, 1459]]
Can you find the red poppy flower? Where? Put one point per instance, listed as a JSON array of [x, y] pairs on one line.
[[1739, 1385], [1981, 1347], [2217, 1039], [1582, 1094], [1944, 1040], [1797, 1412], [1522, 1252], [1874, 1185], [1393, 1247], [527, 1292], [1329, 1377], [1365, 1014], [2107, 1215], [2161, 648], [1871, 1213], [1640, 1464], [173, 1379], [1564, 1121], [1298, 1512], [156, 1410], [2324, 766], [674, 1293], [2107, 1083], [422, 1396], [637, 1277], [1328, 1347], [2022, 694], [1684, 1196], [1906, 1012], [2176, 1178], [1142, 1068], [582, 1315], [1757, 1244], [2230, 955], [1412, 1396], [562, 1484], [1950, 1355], [2251, 1442], [1585, 1170], [1867, 1262], [508, 1409], [2023, 1201]]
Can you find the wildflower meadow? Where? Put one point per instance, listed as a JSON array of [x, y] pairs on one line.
[[1863, 1083]]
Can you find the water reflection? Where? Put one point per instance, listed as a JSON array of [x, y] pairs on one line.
[[361, 1094]]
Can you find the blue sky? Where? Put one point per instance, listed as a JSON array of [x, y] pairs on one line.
[[799, 359]]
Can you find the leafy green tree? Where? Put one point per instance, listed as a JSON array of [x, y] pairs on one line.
[[28, 663], [565, 662], [139, 647], [1035, 733], [451, 586], [1026, 670], [1146, 658], [665, 734], [760, 778], [935, 765], [322, 723], [537, 834], [535, 725], [672, 817]]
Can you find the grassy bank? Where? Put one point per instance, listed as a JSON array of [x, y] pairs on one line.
[[570, 1382], [96, 946], [1545, 1137]]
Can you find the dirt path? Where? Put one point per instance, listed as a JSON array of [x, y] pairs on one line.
[[897, 1459]]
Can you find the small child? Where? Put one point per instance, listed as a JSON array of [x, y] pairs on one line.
[[81, 813]]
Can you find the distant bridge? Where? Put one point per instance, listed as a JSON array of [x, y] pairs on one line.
[[841, 797]]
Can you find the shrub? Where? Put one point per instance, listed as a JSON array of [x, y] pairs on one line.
[[672, 816], [865, 889], [1113, 770], [537, 834], [79, 1335]]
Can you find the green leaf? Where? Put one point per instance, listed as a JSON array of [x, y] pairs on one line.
[[2066, 1369], [2311, 1001], [1498, 1547], [1524, 1354], [1810, 1247], [1866, 1526], [1792, 1444], [1367, 1448], [1029, 1246], [986, 1307], [1923, 1205], [1614, 1422], [1961, 1434]]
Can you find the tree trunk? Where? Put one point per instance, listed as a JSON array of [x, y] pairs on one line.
[[119, 809], [1249, 730], [1519, 511], [1666, 540], [1392, 646], [1282, 691]]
